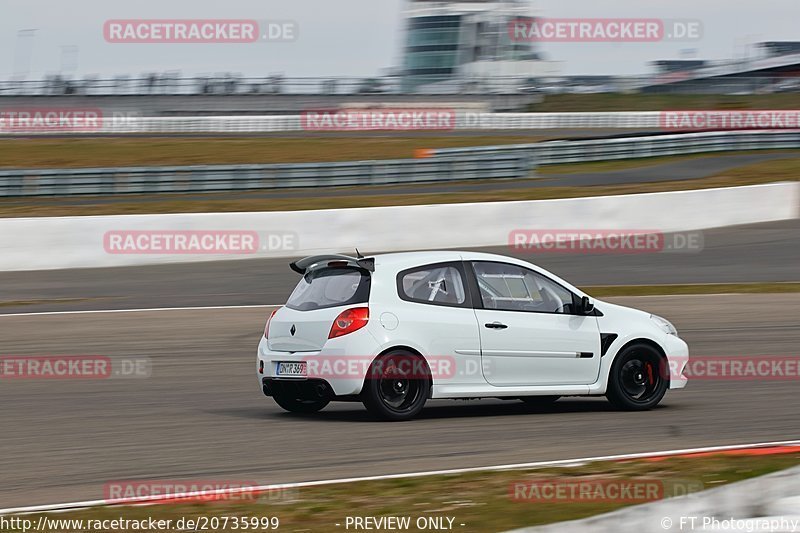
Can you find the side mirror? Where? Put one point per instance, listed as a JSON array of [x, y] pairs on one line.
[[586, 306]]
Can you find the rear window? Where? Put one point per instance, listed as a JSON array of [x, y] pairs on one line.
[[330, 287]]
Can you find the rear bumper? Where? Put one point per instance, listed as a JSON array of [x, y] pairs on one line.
[[306, 389], [359, 346]]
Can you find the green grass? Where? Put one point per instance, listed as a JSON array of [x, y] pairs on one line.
[[138, 151], [564, 103], [601, 291], [481, 500]]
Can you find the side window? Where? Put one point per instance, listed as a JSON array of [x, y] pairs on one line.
[[512, 288], [437, 284]]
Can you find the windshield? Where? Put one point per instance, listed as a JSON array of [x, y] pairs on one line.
[[330, 287]]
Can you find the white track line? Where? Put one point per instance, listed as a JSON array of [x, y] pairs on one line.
[[60, 507], [151, 309]]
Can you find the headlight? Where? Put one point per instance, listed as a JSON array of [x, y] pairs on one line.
[[665, 324]]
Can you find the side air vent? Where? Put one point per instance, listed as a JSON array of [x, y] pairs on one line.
[[605, 342]]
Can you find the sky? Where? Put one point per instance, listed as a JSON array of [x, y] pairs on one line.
[[359, 38]]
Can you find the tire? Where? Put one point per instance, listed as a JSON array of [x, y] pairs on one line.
[[297, 405], [637, 381], [390, 393], [539, 401]]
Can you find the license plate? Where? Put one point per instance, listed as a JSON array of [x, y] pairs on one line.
[[293, 369]]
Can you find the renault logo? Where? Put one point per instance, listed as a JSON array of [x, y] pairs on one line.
[[292, 330]]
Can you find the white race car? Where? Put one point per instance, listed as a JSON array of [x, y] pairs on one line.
[[393, 330]]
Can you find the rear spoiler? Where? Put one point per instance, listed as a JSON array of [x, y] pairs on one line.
[[301, 266]]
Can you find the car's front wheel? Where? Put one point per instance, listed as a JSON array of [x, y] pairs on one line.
[[298, 405], [637, 380], [397, 386]]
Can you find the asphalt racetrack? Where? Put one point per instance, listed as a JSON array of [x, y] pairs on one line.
[[201, 415]]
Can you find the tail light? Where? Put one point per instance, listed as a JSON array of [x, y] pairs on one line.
[[349, 321], [266, 328]]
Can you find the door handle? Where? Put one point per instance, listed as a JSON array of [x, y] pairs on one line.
[[496, 325]]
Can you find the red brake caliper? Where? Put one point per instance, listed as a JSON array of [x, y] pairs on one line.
[[650, 373]]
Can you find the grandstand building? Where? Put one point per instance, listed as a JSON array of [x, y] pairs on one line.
[[454, 43], [775, 68]]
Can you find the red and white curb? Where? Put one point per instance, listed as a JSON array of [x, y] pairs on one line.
[[750, 449]]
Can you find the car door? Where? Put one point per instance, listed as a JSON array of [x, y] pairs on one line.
[[436, 311], [530, 334]]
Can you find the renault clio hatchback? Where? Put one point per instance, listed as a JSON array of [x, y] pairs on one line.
[[397, 329]]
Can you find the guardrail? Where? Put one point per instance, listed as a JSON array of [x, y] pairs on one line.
[[149, 180], [453, 164], [588, 150], [27, 121], [463, 121], [109, 122]]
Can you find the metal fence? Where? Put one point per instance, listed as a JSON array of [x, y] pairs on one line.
[[493, 162], [725, 78], [233, 178], [125, 124], [583, 151], [28, 122], [172, 83]]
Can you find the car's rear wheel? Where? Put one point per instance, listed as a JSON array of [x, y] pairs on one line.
[[298, 405], [540, 401], [637, 381], [397, 386]]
